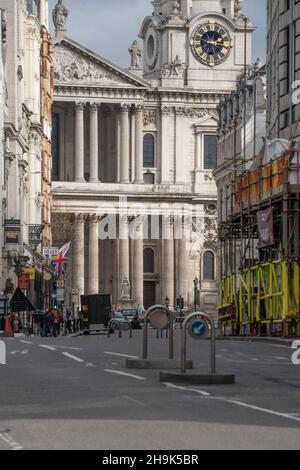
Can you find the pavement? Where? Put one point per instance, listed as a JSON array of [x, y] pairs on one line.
[[74, 393]]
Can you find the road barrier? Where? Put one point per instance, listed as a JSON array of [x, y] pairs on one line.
[[160, 318], [119, 325], [199, 329], [199, 326], [2, 353]]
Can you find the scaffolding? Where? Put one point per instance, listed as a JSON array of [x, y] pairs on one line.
[[260, 277]]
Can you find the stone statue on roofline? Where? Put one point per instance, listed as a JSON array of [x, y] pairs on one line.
[[60, 15]]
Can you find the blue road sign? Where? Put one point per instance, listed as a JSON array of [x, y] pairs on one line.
[[198, 329]]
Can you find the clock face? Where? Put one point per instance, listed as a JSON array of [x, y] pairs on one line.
[[211, 43]]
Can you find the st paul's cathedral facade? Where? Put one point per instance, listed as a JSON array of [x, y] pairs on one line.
[[134, 151]]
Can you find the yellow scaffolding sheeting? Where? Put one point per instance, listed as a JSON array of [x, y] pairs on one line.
[[265, 294]]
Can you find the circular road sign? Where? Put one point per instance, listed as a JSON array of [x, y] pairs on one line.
[[125, 325], [198, 329], [159, 319]]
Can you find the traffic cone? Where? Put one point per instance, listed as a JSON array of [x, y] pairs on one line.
[[7, 327]]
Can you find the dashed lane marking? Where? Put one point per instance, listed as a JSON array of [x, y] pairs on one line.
[[70, 356], [121, 355], [25, 342], [187, 389], [117, 372], [51, 348]]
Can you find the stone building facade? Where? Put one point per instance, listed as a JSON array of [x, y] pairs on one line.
[[22, 191], [283, 69], [130, 143]]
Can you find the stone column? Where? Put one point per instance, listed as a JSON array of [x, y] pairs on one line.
[[123, 250], [79, 144], [138, 267], [78, 254], [94, 144], [168, 266], [125, 138], [138, 144], [198, 151], [93, 254], [183, 269]]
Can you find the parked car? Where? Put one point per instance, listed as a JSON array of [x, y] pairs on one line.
[[132, 316]]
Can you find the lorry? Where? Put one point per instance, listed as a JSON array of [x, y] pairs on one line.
[[96, 312]]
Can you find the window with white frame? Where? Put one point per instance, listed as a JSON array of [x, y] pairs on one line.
[[210, 151]]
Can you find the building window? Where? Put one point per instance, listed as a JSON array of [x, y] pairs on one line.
[[148, 261], [210, 152], [55, 146], [208, 266], [149, 156]]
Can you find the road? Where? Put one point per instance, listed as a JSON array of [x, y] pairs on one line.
[[75, 393]]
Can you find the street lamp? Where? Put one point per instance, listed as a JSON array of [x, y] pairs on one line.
[[19, 263], [196, 283]]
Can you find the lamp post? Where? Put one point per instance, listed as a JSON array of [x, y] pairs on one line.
[[196, 283]]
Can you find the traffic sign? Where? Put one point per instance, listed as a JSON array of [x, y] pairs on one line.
[[198, 329], [159, 319], [60, 295], [24, 282]]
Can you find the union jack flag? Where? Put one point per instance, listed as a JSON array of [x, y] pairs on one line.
[[59, 262]]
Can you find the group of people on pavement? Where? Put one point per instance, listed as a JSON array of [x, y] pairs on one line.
[[51, 324]]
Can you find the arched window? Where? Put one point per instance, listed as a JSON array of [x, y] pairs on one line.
[[148, 260], [208, 266], [149, 151]]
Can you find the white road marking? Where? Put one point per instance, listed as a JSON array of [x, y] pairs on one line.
[[187, 389], [25, 342], [264, 410], [254, 359], [89, 364], [121, 355], [19, 352], [117, 372], [77, 359], [133, 400], [279, 358], [51, 348], [10, 441], [70, 349]]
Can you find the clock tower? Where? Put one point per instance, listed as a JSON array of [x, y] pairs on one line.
[[196, 44]]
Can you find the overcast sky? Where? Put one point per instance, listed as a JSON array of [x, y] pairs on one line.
[[108, 27]]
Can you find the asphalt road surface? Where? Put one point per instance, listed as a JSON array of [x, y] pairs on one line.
[[75, 393]]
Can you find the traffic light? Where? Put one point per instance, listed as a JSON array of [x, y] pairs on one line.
[[180, 303]]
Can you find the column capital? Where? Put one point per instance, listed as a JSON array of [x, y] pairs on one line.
[[80, 218], [125, 108], [94, 106], [94, 218], [139, 108], [79, 106]]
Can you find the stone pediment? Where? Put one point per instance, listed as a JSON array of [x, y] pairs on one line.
[[75, 65]]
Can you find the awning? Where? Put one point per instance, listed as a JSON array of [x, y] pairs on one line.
[[20, 303]]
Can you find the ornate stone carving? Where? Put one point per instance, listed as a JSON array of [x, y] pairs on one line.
[[70, 66], [39, 200], [136, 55], [173, 69], [166, 110], [196, 112], [238, 7], [149, 117]]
